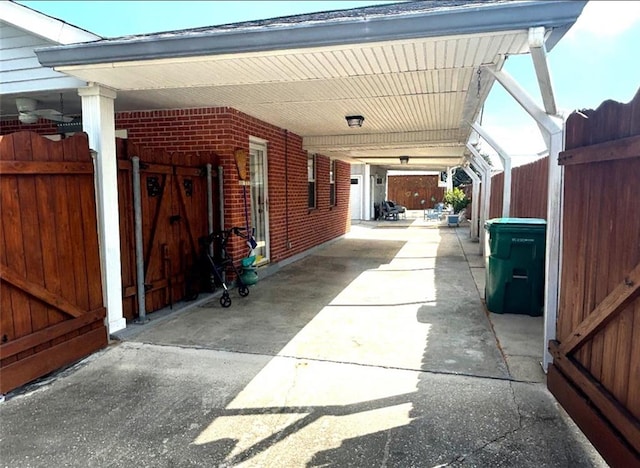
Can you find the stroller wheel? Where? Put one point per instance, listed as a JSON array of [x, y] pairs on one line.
[[243, 291], [225, 300]]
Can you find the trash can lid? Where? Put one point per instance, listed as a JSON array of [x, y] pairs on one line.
[[503, 224], [526, 221]]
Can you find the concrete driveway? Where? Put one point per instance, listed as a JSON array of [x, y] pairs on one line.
[[373, 351]]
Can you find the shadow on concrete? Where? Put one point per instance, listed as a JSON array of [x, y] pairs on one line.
[[375, 351]]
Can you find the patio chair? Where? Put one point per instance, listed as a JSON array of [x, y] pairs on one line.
[[434, 214], [388, 212], [401, 209]]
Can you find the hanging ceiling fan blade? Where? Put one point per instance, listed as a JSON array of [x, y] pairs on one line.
[[52, 114]]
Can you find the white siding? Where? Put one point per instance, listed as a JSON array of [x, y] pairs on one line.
[[20, 71]]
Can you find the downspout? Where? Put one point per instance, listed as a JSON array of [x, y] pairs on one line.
[[137, 223], [286, 189], [221, 195], [210, 203]]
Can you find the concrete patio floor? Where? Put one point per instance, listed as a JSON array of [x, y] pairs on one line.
[[373, 351]]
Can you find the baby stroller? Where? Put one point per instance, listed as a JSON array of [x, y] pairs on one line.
[[208, 272]]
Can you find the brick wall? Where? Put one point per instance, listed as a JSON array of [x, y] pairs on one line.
[[223, 130], [42, 126]]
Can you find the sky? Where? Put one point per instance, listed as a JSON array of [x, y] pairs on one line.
[[598, 59]]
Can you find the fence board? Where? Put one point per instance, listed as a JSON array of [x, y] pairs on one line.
[[39, 167], [497, 190], [46, 188], [64, 251], [12, 223]]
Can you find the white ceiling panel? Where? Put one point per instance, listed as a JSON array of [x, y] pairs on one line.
[[402, 88]]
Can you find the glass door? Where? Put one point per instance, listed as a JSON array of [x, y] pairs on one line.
[[259, 198]]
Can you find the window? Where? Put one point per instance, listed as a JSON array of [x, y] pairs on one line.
[[311, 177], [332, 183]]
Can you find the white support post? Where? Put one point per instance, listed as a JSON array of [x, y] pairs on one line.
[[553, 259], [367, 212], [553, 131], [449, 179], [99, 123], [475, 196], [539, 56], [485, 169], [506, 163]]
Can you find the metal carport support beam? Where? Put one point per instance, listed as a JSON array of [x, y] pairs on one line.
[[479, 162], [506, 163], [552, 128], [475, 196]]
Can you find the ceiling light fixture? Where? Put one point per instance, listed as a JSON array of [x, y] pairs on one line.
[[404, 160], [354, 120]]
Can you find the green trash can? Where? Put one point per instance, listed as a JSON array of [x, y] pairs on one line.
[[514, 270]]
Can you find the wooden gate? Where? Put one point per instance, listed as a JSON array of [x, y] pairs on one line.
[[596, 370], [174, 215], [51, 305]]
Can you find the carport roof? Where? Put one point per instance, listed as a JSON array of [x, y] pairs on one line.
[[411, 69]]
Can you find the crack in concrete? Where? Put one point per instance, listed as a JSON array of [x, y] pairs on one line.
[[385, 457], [521, 426], [331, 361], [516, 404], [463, 457]]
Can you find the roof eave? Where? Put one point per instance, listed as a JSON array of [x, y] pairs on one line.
[[556, 16], [43, 25]]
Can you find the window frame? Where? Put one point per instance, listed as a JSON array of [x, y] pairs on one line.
[[311, 181], [333, 200]]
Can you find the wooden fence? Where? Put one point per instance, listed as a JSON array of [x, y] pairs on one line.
[[497, 188], [51, 305], [596, 370], [410, 190], [529, 185]]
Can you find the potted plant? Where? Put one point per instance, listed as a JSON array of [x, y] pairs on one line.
[[458, 201]]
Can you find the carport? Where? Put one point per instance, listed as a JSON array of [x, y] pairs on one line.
[[417, 72], [414, 74]]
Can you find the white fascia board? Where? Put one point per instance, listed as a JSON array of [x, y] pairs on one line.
[[42, 25], [414, 20]]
